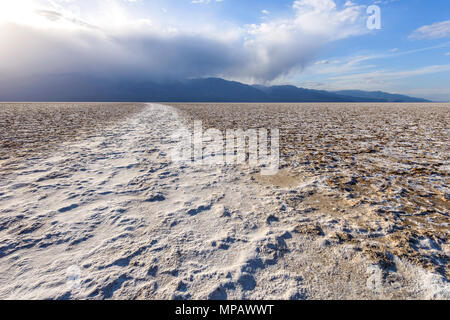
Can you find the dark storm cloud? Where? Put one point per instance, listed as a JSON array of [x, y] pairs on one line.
[[150, 55]]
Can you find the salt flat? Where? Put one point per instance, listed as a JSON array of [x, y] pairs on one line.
[[107, 215]]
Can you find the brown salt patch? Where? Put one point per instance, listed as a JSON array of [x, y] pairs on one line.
[[309, 229], [326, 203], [283, 179]]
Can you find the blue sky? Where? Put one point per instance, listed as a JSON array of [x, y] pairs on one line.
[[320, 44]]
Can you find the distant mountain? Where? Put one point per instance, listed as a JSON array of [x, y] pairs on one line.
[[214, 89], [79, 88], [295, 94], [379, 95]]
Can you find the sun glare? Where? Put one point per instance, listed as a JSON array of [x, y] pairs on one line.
[[18, 11]]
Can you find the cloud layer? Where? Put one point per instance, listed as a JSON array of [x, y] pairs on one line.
[[433, 31], [54, 40]]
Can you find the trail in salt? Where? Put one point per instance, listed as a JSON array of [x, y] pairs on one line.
[[115, 207]]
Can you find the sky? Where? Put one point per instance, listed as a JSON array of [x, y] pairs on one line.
[[318, 44]]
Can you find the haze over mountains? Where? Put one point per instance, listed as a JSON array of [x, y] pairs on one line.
[[86, 88]]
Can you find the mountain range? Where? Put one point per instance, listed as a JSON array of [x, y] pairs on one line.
[[78, 88]]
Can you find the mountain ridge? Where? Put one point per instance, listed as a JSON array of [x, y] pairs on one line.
[[83, 88], [380, 95]]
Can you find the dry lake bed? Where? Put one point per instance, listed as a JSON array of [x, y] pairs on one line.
[[93, 207]]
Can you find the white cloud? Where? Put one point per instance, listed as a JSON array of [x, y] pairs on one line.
[[355, 64], [381, 75], [280, 47], [433, 31]]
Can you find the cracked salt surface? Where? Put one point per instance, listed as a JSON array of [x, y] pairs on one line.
[[112, 217]]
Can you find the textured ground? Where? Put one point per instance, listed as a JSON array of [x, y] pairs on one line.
[[29, 129], [383, 169], [108, 215]]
